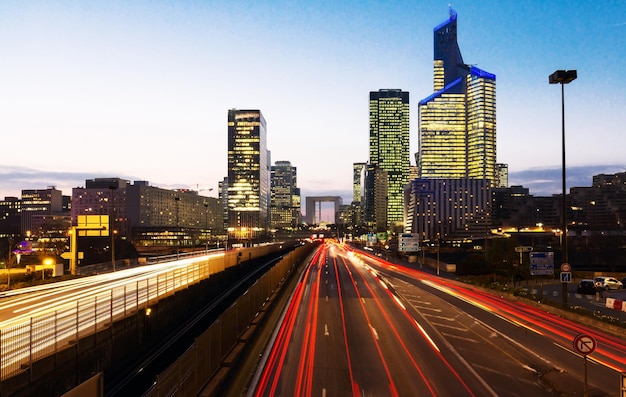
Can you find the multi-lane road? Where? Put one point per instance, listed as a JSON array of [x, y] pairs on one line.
[[38, 321], [358, 325]]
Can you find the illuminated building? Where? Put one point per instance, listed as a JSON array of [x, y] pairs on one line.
[[457, 123], [149, 215], [248, 175], [376, 194], [10, 217], [502, 175], [37, 203], [448, 208], [285, 196], [389, 147], [357, 177]]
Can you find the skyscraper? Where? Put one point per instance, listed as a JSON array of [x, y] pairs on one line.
[[248, 175], [357, 181], [389, 146], [285, 196], [457, 123]]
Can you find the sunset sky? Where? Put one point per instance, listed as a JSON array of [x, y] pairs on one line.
[[141, 89]]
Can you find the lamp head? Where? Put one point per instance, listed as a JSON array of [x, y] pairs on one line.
[[562, 76]]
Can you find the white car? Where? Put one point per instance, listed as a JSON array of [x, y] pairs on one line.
[[607, 283]]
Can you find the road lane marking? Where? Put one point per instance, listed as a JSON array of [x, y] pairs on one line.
[[374, 332]]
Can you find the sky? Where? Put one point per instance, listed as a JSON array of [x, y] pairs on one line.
[[141, 89]]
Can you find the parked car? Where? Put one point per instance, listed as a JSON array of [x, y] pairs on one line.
[[607, 283], [586, 286]]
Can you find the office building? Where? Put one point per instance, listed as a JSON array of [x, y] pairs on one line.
[[10, 218], [149, 215], [357, 182], [376, 195], [457, 123], [448, 208], [502, 175], [248, 175], [285, 196], [389, 147], [37, 203]]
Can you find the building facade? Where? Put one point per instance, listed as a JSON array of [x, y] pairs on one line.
[[448, 208], [37, 203], [357, 182], [11, 218], [376, 195], [285, 196], [502, 175], [248, 175], [149, 215], [457, 123], [389, 147]]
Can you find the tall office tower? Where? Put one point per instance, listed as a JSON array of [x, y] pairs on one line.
[[457, 123], [357, 181], [248, 175], [376, 193], [389, 146], [285, 196]]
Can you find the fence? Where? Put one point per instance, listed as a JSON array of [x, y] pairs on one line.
[[205, 357], [32, 338]]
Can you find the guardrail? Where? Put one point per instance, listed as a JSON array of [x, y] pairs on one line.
[[211, 351], [42, 335]]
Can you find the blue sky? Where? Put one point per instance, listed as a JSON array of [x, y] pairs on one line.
[[141, 89]]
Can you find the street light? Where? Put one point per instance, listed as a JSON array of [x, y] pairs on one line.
[[206, 224], [563, 77], [111, 225], [177, 199]]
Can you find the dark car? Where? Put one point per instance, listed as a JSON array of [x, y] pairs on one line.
[[586, 287]]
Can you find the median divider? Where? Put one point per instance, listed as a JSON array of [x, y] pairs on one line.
[[616, 304]]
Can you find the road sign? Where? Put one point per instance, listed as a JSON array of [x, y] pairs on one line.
[[541, 263], [523, 248], [409, 242], [584, 344], [565, 267], [566, 277]]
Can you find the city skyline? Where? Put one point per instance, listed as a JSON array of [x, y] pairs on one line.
[[150, 83]]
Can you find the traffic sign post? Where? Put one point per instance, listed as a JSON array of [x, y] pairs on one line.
[[585, 344], [541, 263], [566, 277]]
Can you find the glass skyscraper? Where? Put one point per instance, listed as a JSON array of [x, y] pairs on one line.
[[389, 146], [248, 175], [285, 196], [457, 123]]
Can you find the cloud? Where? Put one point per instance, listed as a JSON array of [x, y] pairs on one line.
[[14, 179], [539, 181], [549, 181]]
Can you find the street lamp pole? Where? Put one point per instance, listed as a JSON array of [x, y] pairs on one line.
[[206, 224], [177, 199], [563, 77], [111, 225]]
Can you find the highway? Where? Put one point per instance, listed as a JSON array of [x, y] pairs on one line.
[[37, 321], [358, 325]]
